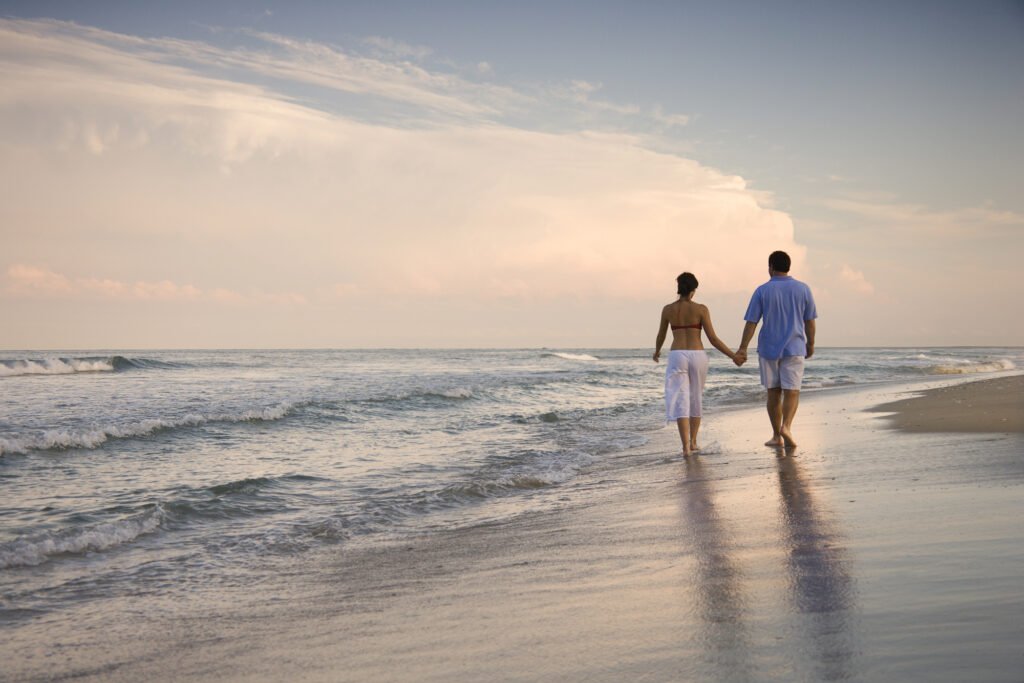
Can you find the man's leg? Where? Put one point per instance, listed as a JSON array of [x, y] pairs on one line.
[[790, 401], [791, 373], [775, 416], [694, 428]]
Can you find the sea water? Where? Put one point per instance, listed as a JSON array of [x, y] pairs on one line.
[[145, 473]]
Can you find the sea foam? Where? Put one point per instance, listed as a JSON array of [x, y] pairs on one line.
[[34, 550], [71, 366], [999, 365], [61, 439], [54, 366], [571, 356]]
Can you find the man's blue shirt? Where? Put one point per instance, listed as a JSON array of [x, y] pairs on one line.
[[784, 304]]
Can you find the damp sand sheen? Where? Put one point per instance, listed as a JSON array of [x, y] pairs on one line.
[[508, 516]]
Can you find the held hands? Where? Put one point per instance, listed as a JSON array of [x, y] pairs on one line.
[[657, 354], [740, 357]]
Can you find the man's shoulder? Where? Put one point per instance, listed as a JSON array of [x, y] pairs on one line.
[[803, 285], [793, 283]]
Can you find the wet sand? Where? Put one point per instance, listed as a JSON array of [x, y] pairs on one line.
[[867, 554], [995, 405]]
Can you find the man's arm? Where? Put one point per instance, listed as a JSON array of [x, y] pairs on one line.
[[748, 334], [809, 329]]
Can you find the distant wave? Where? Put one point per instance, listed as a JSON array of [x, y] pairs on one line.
[[70, 366], [34, 550], [253, 485], [60, 439], [927, 364], [456, 393], [969, 367], [451, 392], [570, 356]]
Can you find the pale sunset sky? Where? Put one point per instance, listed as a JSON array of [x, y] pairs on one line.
[[199, 174]]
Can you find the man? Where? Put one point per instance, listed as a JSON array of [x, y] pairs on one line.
[[787, 337]]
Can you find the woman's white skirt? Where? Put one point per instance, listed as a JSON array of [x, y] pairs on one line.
[[684, 383]]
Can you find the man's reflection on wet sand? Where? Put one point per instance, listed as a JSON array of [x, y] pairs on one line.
[[723, 640], [820, 583]]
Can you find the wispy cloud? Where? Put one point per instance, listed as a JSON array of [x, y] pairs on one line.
[[394, 72], [670, 119], [397, 48], [32, 281], [965, 221]]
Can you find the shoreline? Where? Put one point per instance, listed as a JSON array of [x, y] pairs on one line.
[[832, 562], [984, 405]]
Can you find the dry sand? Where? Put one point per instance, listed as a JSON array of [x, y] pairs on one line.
[[866, 555], [995, 405]]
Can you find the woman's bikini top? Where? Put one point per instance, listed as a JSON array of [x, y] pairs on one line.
[[695, 326]]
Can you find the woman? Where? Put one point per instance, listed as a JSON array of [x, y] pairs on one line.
[[687, 361]]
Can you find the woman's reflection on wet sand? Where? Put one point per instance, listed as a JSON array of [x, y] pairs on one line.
[[723, 640], [820, 583]]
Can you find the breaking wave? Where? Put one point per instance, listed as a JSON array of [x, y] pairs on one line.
[[71, 366], [33, 550], [61, 439], [570, 356], [968, 367]]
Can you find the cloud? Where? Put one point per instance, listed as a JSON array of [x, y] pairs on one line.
[[670, 119], [397, 48], [162, 166], [965, 222], [582, 92], [855, 280], [35, 281], [53, 49], [28, 279], [25, 281]]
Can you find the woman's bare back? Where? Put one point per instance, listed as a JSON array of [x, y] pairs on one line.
[[686, 319]]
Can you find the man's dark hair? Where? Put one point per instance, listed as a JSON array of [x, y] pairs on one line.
[[779, 261], [685, 284]]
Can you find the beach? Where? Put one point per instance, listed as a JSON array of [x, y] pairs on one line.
[[996, 405], [878, 550]]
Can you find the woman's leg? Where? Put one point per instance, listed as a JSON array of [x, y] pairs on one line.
[[694, 428], [684, 434], [698, 376]]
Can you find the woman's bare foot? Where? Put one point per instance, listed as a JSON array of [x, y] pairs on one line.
[[687, 453], [787, 438], [694, 447], [774, 442]]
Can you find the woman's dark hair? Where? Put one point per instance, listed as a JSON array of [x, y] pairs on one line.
[[685, 284], [779, 261]]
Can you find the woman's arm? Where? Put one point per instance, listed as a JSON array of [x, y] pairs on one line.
[[662, 331], [705, 321]]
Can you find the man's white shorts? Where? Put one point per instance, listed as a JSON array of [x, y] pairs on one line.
[[786, 372]]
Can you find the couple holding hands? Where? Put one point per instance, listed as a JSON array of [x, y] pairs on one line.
[[785, 306]]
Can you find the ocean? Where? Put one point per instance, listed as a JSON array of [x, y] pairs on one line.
[[152, 473]]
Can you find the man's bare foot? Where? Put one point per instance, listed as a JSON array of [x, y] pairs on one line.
[[774, 442], [787, 438]]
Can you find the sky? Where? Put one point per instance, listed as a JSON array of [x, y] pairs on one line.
[[483, 174]]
